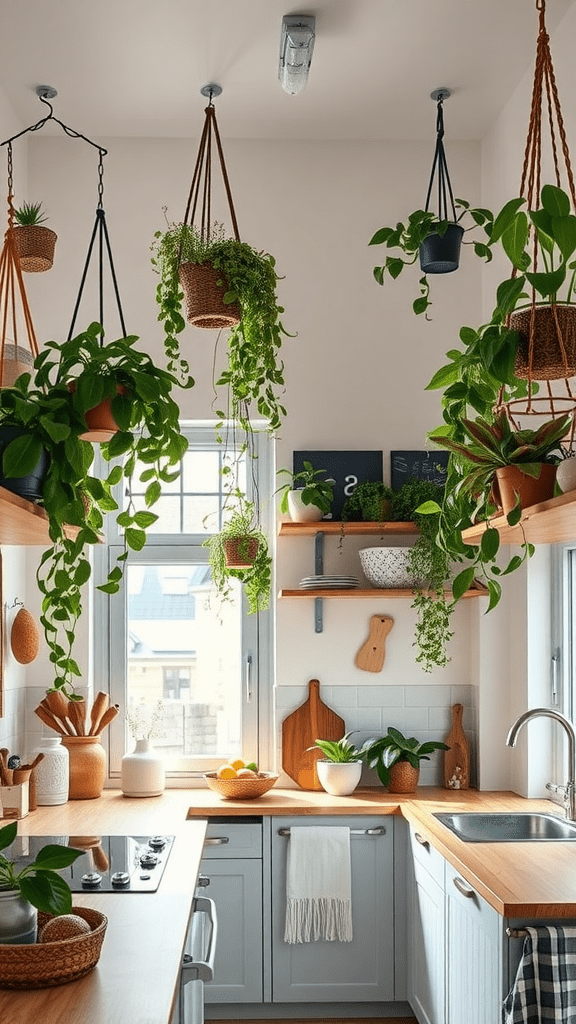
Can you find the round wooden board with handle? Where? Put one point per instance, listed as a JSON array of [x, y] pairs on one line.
[[313, 720]]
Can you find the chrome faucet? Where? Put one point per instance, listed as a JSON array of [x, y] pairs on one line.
[[570, 789]]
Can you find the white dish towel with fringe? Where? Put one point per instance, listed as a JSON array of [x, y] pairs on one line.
[[318, 885]]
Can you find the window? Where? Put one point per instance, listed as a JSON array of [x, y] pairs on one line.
[[563, 674], [168, 637]]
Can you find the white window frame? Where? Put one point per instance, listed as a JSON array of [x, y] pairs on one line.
[[110, 622], [563, 663]]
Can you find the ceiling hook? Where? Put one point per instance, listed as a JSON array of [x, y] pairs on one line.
[[211, 90], [46, 93]]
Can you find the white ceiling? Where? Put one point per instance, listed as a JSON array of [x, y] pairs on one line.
[[135, 67]]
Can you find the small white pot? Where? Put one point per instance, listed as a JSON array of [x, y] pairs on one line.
[[566, 475], [339, 779], [300, 513], [143, 771]]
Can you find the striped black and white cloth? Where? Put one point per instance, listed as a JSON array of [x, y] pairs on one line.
[[545, 985]]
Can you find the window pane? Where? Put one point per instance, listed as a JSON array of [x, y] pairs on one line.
[[181, 652], [201, 472]]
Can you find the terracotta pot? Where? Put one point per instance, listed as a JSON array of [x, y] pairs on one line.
[[35, 246], [403, 778], [513, 483], [101, 423], [204, 297], [240, 552], [87, 766]]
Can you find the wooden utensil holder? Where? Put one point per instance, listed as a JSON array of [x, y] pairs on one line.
[[14, 801]]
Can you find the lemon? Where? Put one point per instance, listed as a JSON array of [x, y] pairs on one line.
[[226, 771], [247, 773], [238, 763]]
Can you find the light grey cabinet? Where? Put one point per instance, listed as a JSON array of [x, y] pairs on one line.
[[426, 931], [357, 971], [233, 863], [474, 955]]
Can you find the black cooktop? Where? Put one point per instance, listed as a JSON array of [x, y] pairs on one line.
[[108, 863]]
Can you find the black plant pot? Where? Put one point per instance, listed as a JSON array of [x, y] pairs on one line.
[[30, 486], [440, 254]]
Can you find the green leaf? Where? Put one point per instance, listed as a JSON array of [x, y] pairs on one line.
[[21, 455], [135, 539], [505, 218], [394, 267], [145, 519], [547, 284], [57, 431], [120, 443], [462, 582], [48, 892], [446, 375], [565, 234], [8, 834], [489, 544], [555, 201], [514, 238]]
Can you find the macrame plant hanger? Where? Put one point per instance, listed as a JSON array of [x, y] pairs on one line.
[[547, 350], [204, 287], [440, 254]]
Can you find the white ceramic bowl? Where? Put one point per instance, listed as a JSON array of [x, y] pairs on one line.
[[386, 568]]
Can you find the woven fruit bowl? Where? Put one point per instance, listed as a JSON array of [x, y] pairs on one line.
[[241, 789], [44, 964]]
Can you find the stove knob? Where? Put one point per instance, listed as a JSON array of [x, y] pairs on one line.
[[157, 842], [148, 860], [120, 879], [91, 880]]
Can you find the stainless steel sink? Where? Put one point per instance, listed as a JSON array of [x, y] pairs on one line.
[[509, 828]]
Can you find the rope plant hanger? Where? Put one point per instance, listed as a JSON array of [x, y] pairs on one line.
[[440, 252], [547, 326], [15, 358], [204, 287]]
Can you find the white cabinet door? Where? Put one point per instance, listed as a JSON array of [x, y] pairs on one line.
[[357, 971], [474, 933], [236, 888], [426, 931]]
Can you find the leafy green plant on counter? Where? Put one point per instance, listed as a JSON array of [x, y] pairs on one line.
[[382, 753], [338, 751], [39, 882]]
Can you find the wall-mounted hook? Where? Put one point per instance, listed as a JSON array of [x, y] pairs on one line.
[[16, 602]]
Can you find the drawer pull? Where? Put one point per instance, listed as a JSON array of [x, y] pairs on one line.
[[464, 889], [217, 841], [378, 831], [420, 839]]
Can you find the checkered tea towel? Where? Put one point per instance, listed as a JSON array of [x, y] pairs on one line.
[[545, 985], [318, 885]]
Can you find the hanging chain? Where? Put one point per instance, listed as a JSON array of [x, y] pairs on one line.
[[10, 189], [101, 153]]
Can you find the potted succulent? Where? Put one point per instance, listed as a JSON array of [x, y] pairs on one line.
[[37, 886], [34, 244], [247, 282], [339, 773], [369, 502], [397, 759], [48, 422], [306, 495], [240, 551]]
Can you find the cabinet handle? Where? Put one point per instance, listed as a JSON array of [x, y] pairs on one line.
[[463, 888], [378, 831], [420, 839], [248, 678], [217, 841], [203, 881]]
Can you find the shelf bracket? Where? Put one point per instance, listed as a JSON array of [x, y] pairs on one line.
[[319, 571]]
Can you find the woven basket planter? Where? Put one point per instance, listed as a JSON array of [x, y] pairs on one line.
[[44, 964], [204, 297], [240, 552], [513, 484], [403, 778], [553, 338], [35, 247], [16, 360]]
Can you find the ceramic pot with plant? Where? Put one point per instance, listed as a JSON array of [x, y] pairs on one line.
[[370, 502], [240, 551], [307, 495], [35, 244], [246, 280], [397, 759], [566, 471], [340, 771], [37, 886]]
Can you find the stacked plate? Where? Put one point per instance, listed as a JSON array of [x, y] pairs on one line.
[[329, 582]]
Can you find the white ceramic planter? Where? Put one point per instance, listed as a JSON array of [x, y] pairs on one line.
[[143, 771], [17, 919], [566, 475], [300, 513], [339, 779]]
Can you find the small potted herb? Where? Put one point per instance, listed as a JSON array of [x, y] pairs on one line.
[[397, 759], [240, 551], [306, 495], [37, 886], [34, 244], [370, 502], [339, 773]]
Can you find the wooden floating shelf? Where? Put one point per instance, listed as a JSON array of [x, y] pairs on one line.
[[373, 593], [549, 522], [24, 523], [289, 529]]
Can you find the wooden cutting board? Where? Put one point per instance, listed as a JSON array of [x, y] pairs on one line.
[[313, 720], [457, 759], [371, 655]]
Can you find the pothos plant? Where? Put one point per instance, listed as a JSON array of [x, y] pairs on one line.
[[254, 374], [241, 524], [50, 416]]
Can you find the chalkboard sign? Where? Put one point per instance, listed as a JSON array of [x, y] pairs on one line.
[[347, 469], [417, 466]]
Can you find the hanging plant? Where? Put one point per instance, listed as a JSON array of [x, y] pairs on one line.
[[250, 562], [34, 244]]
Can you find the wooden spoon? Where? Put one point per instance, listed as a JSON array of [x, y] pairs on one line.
[[77, 715], [98, 708], [48, 718], [107, 717], [58, 705]]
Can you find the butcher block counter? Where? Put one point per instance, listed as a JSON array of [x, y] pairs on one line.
[[518, 879], [136, 979]]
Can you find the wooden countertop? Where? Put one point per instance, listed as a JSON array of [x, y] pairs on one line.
[[517, 879], [136, 978]]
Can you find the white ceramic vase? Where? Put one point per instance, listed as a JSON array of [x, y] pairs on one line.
[[18, 919], [52, 774], [300, 513], [143, 771], [566, 475], [339, 778]]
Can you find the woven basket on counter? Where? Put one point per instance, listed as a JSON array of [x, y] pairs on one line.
[[44, 964], [241, 789]]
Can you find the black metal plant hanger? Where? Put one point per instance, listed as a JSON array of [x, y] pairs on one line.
[[439, 163], [100, 229]]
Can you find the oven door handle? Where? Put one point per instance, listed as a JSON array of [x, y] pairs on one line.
[[202, 970]]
